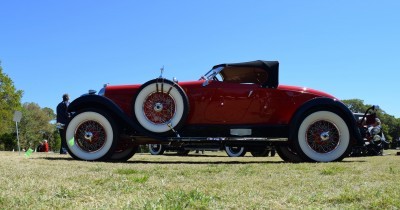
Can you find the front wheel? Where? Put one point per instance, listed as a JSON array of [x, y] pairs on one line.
[[288, 154], [124, 151], [235, 151], [182, 152], [124, 155], [260, 152], [322, 136], [91, 135]]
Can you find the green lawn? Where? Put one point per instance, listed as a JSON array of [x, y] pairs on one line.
[[209, 181]]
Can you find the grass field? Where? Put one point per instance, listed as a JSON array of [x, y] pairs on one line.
[[209, 181]]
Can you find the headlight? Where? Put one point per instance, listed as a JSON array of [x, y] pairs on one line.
[[375, 130], [102, 91], [377, 138]]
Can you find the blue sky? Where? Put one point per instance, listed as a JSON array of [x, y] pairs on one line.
[[350, 49]]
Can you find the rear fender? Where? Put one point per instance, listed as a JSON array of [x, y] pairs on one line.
[[329, 104]]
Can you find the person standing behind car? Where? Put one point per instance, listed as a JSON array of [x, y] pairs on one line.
[[45, 146], [62, 118]]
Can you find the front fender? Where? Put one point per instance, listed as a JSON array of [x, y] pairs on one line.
[[88, 101], [329, 104], [101, 102]]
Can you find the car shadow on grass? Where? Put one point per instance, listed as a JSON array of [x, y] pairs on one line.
[[218, 162], [191, 155], [202, 162], [191, 162], [133, 161], [68, 158]]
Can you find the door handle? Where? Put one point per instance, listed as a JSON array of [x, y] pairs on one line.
[[250, 93]]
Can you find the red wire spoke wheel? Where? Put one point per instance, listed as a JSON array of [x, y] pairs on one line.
[[159, 105], [91, 135], [323, 136], [159, 108]]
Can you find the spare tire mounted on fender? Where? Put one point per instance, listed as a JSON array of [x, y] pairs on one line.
[[160, 105]]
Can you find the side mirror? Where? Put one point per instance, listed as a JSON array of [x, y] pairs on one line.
[[376, 107]]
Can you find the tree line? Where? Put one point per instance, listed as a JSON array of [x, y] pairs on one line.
[[390, 124], [38, 124]]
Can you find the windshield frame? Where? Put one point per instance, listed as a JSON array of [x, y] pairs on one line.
[[210, 75]]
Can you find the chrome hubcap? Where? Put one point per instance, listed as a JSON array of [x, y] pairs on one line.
[[325, 136], [88, 135], [158, 107]]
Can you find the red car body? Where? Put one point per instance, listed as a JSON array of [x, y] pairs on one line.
[[239, 104], [230, 103]]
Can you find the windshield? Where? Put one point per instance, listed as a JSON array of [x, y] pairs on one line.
[[211, 75]]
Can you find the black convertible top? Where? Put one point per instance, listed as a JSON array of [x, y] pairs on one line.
[[271, 68]]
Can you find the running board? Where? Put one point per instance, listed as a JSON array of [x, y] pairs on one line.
[[259, 139], [148, 140]]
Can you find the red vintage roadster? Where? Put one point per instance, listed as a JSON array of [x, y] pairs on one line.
[[235, 105]]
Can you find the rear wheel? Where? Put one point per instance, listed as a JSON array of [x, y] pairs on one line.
[[91, 135], [161, 105], [156, 149], [235, 151], [322, 136]]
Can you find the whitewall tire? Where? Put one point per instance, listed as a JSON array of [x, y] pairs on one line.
[[159, 105], [323, 136], [235, 151], [91, 135], [156, 149]]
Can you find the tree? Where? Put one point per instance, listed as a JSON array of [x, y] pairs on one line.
[[35, 125], [356, 105], [390, 125], [10, 101], [49, 112], [9, 141]]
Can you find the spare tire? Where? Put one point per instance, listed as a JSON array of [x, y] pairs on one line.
[[160, 105]]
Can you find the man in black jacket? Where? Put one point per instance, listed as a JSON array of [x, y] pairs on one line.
[[62, 118]]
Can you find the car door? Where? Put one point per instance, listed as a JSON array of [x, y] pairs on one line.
[[230, 102]]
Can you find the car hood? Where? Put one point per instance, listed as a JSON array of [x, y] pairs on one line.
[[306, 91]]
